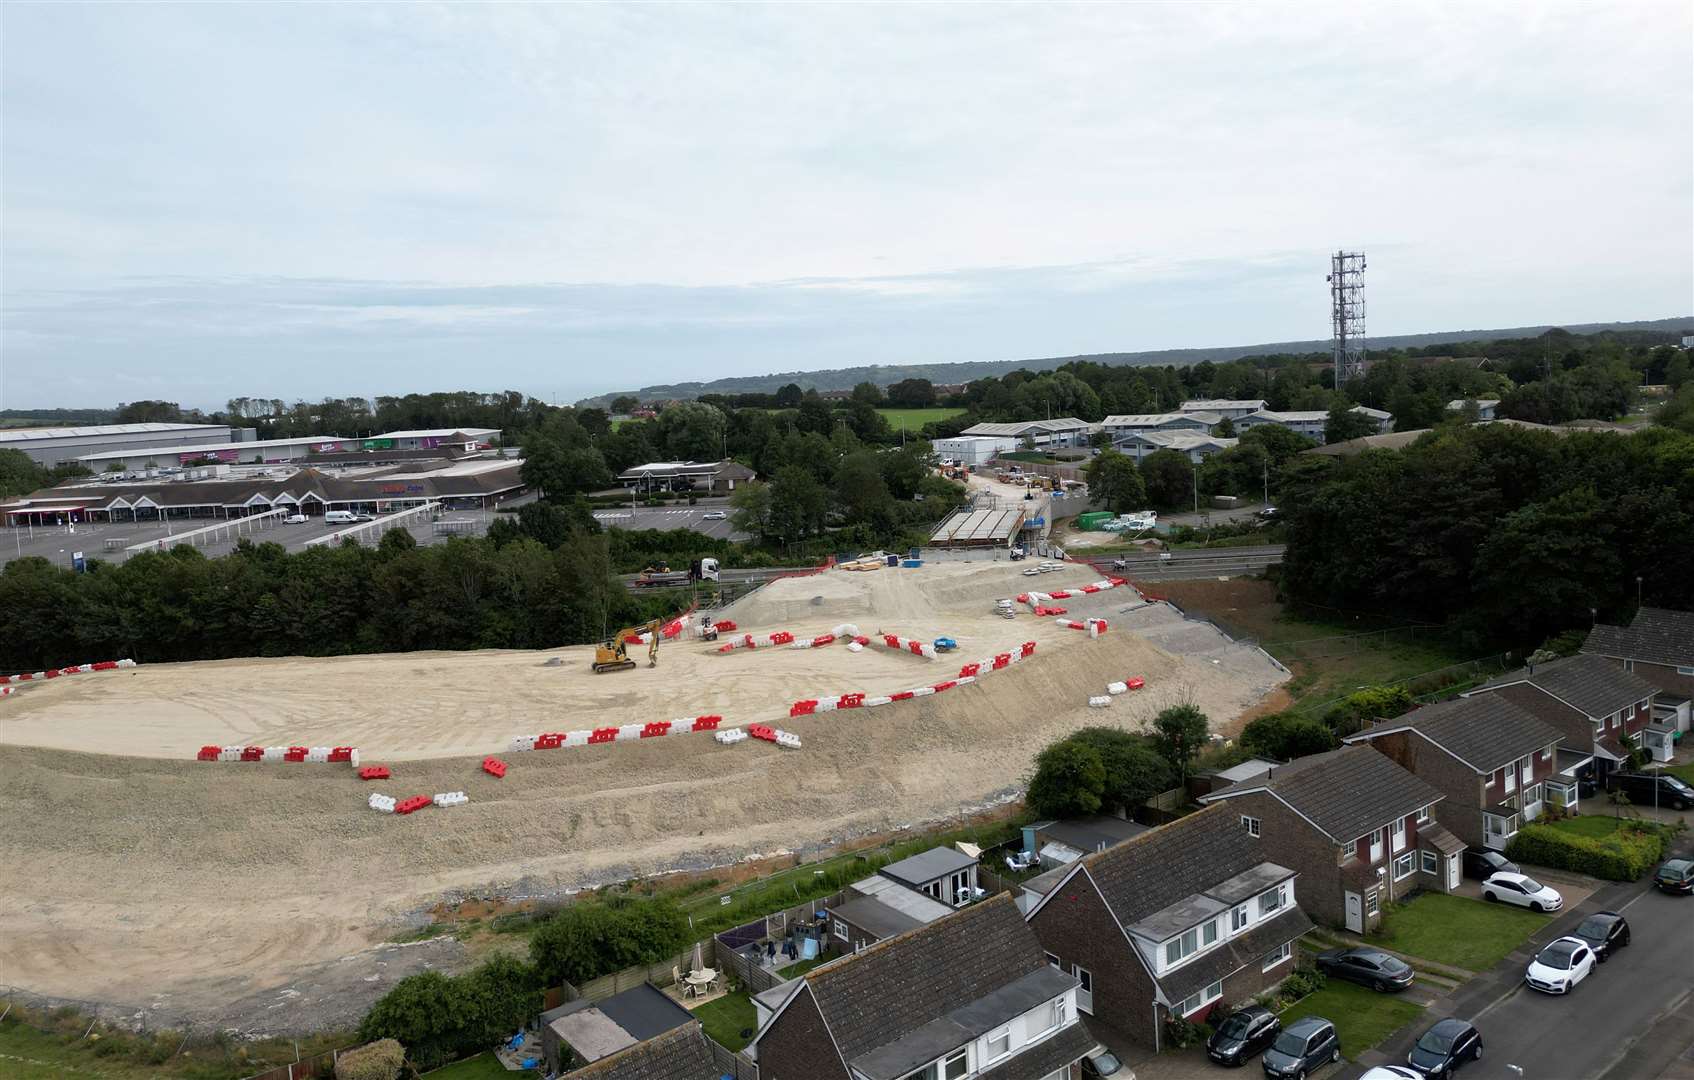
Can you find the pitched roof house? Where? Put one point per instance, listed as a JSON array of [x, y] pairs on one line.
[[1170, 921], [1359, 828], [1598, 707], [683, 1053], [968, 995], [1495, 762], [1657, 645]]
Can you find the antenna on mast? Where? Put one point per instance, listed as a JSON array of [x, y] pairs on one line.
[[1347, 315]]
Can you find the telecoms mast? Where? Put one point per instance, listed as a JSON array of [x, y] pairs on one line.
[[1347, 314]]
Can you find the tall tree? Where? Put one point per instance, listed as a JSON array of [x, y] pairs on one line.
[[1169, 478], [1179, 732]]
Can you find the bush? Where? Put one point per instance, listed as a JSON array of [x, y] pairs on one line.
[[593, 938], [1625, 855], [1069, 781], [1181, 1034], [380, 1060], [1349, 714], [1300, 982], [1286, 736]]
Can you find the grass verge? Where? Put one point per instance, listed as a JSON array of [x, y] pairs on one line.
[[52, 1044], [726, 1018], [1457, 930], [1362, 1017], [485, 1066]]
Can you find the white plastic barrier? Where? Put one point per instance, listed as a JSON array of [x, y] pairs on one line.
[[629, 732], [318, 753], [274, 753], [230, 753], [846, 630], [922, 691], [576, 738], [1099, 702], [873, 702], [730, 737], [854, 646], [126, 663], [1117, 688], [382, 803], [353, 757], [451, 798], [908, 645], [520, 743], [787, 740]]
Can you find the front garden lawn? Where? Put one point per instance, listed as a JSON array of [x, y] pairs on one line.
[[484, 1066], [726, 1018], [1362, 1017], [1594, 825], [1457, 930]]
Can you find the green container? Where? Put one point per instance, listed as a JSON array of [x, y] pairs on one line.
[[1094, 518]]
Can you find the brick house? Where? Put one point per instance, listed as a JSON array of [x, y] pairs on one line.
[[970, 995], [1599, 708], [1657, 645], [1172, 922], [1359, 829], [682, 1053], [1495, 762]]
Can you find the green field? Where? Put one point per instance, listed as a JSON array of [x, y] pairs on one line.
[[1457, 930], [1362, 1017], [913, 419]]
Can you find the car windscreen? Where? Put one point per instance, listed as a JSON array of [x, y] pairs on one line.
[[1289, 1043], [1557, 955], [1106, 1064], [1236, 1026], [1594, 928], [1438, 1040], [1529, 884], [1678, 785]]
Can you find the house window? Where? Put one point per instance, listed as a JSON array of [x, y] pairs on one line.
[[1370, 902], [933, 889], [840, 929], [1532, 794], [1599, 728], [1349, 851], [1252, 824], [1270, 901], [1376, 845], [1399, 834], [1547, 753], [1511, 777], [1237, 918], [999, 1043], [955, 1065], [1053, 961], [1403, 866], [1278, 955], [1423, 814], [1193, 1003], [1057, 1015], [1430, 860], [1685, 670], [1181, 948]]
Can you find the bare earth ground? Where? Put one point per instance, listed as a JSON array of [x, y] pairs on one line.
[[219, 890]]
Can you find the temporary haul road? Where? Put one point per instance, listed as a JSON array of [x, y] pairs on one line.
[[176, 887]]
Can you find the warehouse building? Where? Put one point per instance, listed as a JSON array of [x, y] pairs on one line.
[[1195, 446], [161, 453], [1065, 431], [704, 476], [57, 445], [972, 450], [1309, 422]]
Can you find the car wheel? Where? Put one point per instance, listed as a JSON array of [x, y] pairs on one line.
[[1535, 906], [1301, 1075], [1335, 1055], [1382, 987], [1476, 1055], [1490, 897]]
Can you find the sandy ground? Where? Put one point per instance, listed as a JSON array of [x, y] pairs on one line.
[[137, 876]]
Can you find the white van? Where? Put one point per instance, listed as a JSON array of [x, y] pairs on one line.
[[340, 517]]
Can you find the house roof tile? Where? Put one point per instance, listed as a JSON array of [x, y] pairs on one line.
[[1485, 731], [1347, 793], [1591, 683], [1655, 636], [678, 1054]]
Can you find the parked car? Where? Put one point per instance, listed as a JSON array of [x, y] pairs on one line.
[[1653, 789], [1605, 932], [1101, 1064], [294, 519], [1560, 966], [1392, 1072], [1522, 890], [1269, 513], [1303, 1047], [1368, 967], [363, 517], [1676, 876], [714, 515], [1242, 1034], [1483, 864], [1445, 1047]]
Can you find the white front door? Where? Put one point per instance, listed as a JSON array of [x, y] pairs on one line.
[[1452, 872], [1399, 836], [1355, 913]]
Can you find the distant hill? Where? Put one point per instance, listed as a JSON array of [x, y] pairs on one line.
[[883, 375]]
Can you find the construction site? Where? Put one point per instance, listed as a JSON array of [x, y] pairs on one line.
[[155, 878]]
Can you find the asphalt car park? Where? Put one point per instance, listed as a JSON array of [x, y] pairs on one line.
[[702, 519]]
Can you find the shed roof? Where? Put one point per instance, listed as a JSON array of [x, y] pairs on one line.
[[679, 1054], [927, 866]]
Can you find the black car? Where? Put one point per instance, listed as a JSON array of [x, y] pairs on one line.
[[1605, 932], [1303, 1047], [1444, 1047], [1244, 1033], [1482, 864], [1367, 967], [1653, 789], [1676, 876]]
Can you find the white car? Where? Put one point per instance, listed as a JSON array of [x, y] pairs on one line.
[[1522, 890], [1560, 966], [294, 519], [1392, 1072], [714, 515], [1033, 571]]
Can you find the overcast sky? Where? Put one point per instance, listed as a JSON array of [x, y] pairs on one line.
[[303, 200]]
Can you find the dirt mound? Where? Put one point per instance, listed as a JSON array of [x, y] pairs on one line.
[[895, 594]]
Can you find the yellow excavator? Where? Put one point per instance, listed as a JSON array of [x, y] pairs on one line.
[[613, 655]]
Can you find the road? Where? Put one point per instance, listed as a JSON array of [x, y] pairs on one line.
[[1191, 563], [1628, 1021]]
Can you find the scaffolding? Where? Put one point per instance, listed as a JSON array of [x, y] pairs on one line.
[[1347, 314]]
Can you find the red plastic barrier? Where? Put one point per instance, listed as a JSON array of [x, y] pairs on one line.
[[1027, 648], [1135, 683], [904, 695], [549, 740], [822, 639], [1062, 594], [915, 648], [1002, 660], [374, 772], [631, 639], [891, 640], [861, 640], [727, 648], [494, 767], [26, 676], [725, 626], [849, 701], [803, 708], [341, 753], [51, 673], [603, 734], [296, 753], [105, 665], [1118, 582], [707, 723], [1023, 598], [969, 670], [760, 731], [782, 637], [252, 753], [654, 728], [209, 753], [416, 802], [948, 685], [1058, 611], [4, 679]]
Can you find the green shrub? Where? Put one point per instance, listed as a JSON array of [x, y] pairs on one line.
[[1300, 982], [380, 1060], [1180, 1034], [1625, 855]]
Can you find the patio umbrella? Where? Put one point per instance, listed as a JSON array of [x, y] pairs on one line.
[[697, 964]]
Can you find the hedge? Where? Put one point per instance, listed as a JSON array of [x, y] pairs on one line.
[[380, 1060], [1624, 855]]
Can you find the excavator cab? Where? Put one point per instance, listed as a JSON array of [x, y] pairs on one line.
[[613, 655]]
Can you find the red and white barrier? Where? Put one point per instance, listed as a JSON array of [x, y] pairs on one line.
[[968, 673], [1038, 600], [763, 641], [317, 754], [908, 645], [554, 740], [55, 673]]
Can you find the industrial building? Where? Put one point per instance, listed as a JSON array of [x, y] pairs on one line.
[[1228, 408], [1202, 422], [1310, 422], [238, 491], [972, 450], [57, 445], [1065, 431], [707, 476], [162, 453], [1195, 446]]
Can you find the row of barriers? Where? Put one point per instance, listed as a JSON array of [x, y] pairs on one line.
[[388, 804], [969, 673], [554, 740], [313, 754], [1039, 600], [74, 669]]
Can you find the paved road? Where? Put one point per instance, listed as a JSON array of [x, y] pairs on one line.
[[1629, 1021]]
